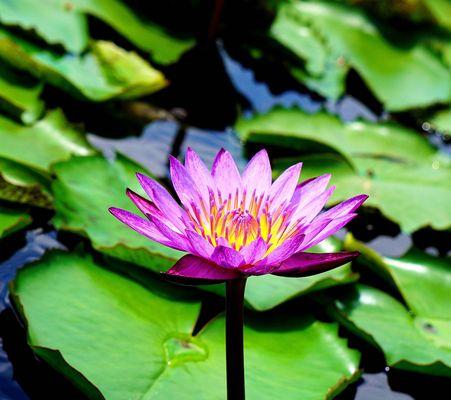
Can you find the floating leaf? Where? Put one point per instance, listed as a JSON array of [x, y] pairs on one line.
[[20, 96], [65, 22], [268, 291], [84, 189], [103, 73], [406, 339], [12, 220], [324, 71], [38, 146], [424, 282], [412, 75], [140, 343], [441, 121], [405, 177], [22, 185]]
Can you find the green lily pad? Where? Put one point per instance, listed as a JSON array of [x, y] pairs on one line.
[[324, 71], [20, 96], [138, 343], [38, 146], [441, 121], [413, 76], [65, 22], [406, 340], [268, 291], [12, 220], [405, 177], [103, 73], [84, 189], [424, 282], [19, 184]]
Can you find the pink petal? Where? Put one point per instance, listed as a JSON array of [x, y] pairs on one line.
[[177, 240], [346, 207], [183, 183], [148, 208], [163, 200], [284, 186], [332, 227], [192, 270], [310, 189], [257, 175], [140, 225], [225, 174], [199, 173], [199, 245], [305, 264], [286, 249], [254, 251], [227, 257], [309, 211]]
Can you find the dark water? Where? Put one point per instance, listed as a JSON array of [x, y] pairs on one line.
[[172, 136]]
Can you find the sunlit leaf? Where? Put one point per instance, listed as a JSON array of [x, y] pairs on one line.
[[49, 140], [84, 189], [400, 170], [12, 220], [424, 282], [65, 22], [20, 184], [406, 339], [410, 74], [104, 72], [20, 97], [138, 343]]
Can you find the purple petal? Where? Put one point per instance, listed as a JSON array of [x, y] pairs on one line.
[[305, 264], [285, 250], [284, 186], [332, 227], [199, 245], [310, 189], [227, 257], [163, 200], [257, 175], [140, 225], [225, 173], [346, 207], [192, 270], [254, 251], [309, 211], [183, 183], [199, 173], [177, 241]]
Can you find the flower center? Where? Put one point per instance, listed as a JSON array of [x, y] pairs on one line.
[[237, 220]]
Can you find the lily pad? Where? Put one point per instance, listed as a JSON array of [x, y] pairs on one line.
[[104, 72], [19, 184], [406, 339], [20, 96], [38, 146], [412, 77], [405, 177], [12, 220], [268, 291], [441, 121], [65, 22], [324, 71], [84, 189], [424, 282], [138, 343]]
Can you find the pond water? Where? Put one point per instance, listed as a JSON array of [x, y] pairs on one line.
[[23, 376]]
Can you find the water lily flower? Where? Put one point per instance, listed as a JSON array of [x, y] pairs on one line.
[[236, 225]]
